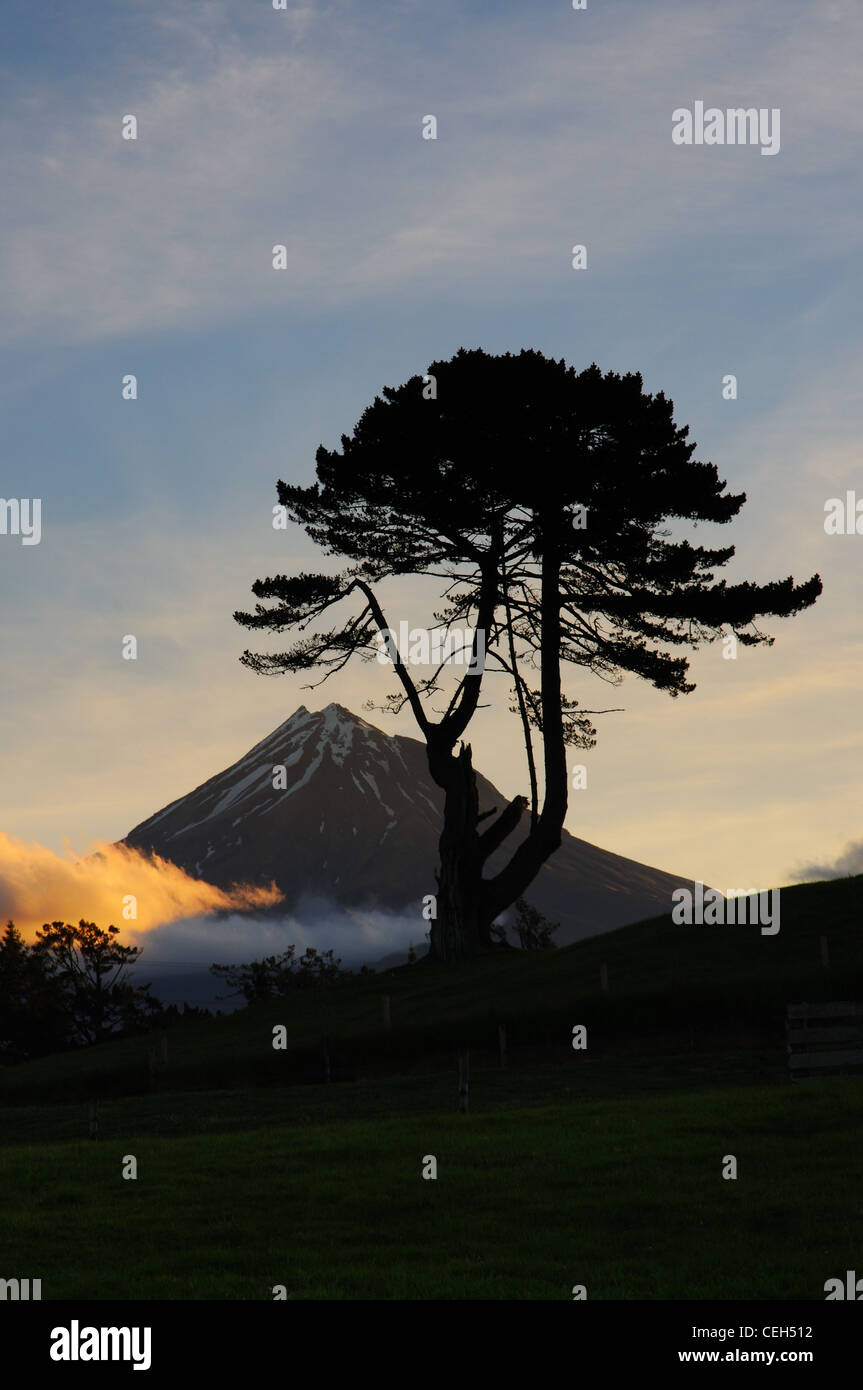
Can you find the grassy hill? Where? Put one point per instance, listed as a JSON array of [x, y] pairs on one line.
[[669, 986], [600, 1167]]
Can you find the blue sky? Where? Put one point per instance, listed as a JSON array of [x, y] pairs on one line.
[[303, 127]]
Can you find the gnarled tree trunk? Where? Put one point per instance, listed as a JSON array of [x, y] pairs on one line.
[[467, 904], [455, 934]]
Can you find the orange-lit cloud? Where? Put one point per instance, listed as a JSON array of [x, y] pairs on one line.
[[38, 886]]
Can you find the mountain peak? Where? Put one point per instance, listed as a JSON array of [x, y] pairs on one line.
[[336, 714], [332, 808], [330, 713]]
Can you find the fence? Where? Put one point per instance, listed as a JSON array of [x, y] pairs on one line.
[[824, 1039]]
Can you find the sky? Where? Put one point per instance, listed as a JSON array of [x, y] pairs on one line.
[[303, 127]]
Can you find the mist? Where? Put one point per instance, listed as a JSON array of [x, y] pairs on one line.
[[356, 935]]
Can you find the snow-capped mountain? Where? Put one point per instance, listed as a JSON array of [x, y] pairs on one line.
[[331, 808]]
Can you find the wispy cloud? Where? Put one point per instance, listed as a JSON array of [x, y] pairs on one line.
[[849, 862], [309, 135], [38, 886]]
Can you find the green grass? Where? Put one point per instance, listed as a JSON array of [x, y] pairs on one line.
[[599, 1168], [624, 1197], [533, 1081]]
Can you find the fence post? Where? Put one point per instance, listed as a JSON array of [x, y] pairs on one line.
[[463, 1080]]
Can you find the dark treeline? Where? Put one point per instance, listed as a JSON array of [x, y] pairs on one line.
[[277, 976], [67, 990]]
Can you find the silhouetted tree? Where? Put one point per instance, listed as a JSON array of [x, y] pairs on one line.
[[87, 964], [276, 976], [172, 1014], [540, 497], [33, 1021], [534, 931]]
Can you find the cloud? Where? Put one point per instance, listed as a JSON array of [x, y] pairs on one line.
[[185, 920], [849, 862], [356, 935], [308, 133], [38, 886]]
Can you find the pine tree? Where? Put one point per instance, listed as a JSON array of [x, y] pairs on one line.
[[541, 497]]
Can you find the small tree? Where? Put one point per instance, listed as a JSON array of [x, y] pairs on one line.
[[32, 1018], [88, 965], [277, 976], [534, 931]]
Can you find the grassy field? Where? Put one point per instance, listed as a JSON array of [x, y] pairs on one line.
[[626, 1198], [600, 1168]]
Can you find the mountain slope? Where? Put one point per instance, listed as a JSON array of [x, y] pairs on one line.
[[357, 823]]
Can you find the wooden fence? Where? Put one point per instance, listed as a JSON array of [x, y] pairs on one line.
[[824, 1040]]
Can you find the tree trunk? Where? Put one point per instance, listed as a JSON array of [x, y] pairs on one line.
[[467, 904], [455, 934], [545, 837]]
